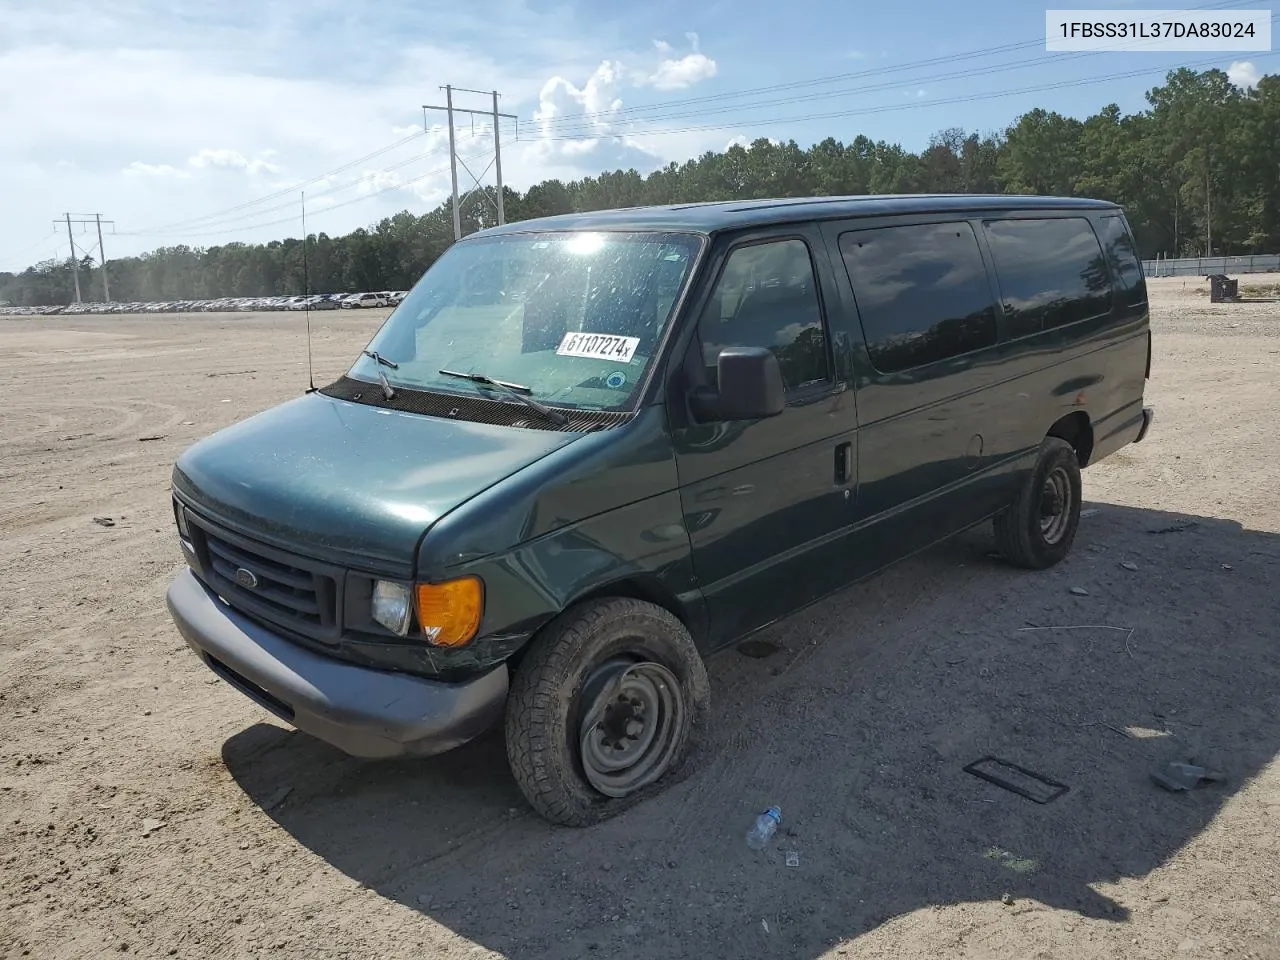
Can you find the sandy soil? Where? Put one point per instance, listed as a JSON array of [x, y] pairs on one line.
[[272, 845]]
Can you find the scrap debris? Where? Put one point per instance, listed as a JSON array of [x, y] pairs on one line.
[[1178, 527], [1177, 777]]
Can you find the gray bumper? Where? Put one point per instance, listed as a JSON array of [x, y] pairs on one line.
[[363, 712]]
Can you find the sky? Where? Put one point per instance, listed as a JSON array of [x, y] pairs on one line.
[[199, 122]]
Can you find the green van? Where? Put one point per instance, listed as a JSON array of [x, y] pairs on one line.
[[587, 451]]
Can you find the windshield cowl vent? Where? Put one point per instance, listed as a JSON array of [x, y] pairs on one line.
[[452, 406]]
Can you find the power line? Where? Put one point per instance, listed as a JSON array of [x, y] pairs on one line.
[[628, 112], [228, 219], [639, 111], [315, 213], [884, 108], [293, 187], [20, 253]]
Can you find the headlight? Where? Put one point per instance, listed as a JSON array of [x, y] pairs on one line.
[[392, 607], [180, 515], [449, 613]]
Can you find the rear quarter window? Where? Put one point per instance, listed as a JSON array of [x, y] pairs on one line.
[[1051, 272], [921, 291], [1126, 268]]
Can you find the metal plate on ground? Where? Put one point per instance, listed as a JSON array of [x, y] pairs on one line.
[[1016, 779]]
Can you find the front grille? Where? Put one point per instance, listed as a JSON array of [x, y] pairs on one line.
[[281, 588]]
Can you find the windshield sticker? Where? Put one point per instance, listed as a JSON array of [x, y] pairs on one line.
[[616, 379], [598, 346]]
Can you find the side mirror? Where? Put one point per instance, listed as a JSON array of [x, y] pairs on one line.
[[750, 387]]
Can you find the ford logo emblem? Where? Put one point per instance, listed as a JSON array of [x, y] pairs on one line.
[[247, 578]]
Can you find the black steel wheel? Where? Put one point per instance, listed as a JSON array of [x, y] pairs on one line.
[[609, 705], [631, 726], [1039, 527], [1056, 500]]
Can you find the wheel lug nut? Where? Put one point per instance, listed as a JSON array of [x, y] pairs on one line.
[[633, 728]]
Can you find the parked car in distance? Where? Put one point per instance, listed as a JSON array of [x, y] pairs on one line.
[[365, 300], [627, 439]]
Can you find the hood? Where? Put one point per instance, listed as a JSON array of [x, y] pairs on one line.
[[350, 483]]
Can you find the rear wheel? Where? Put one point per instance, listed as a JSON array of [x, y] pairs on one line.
[[1039, 527], [608, 707]]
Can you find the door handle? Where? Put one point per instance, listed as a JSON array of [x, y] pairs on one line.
[[844, 462]]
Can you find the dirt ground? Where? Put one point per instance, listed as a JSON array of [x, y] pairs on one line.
[[147, 809]]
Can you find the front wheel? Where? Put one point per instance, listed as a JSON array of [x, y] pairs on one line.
[[1038, 528], [609, 706]]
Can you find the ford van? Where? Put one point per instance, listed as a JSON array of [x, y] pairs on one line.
[[587, 451]]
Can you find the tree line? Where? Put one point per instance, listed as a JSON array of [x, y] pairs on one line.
[[1197, 171]]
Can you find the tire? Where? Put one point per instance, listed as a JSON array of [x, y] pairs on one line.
[[601, 648], [1026, 535]]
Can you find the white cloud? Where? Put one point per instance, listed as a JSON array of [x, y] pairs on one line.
[[738, 141], [140, 169], [373, 181], [595, 99], [676, 74], [855, 55], [1243, 74], [233, 160]]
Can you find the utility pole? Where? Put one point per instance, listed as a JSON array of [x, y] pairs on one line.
[[102, 260], [84, 220], [454, 159], [453, 167], [75, 267], [497, 161]]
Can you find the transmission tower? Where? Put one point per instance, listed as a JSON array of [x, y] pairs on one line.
[[84, 219], [454, 159]]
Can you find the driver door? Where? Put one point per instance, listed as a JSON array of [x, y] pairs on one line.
[[766, 501]]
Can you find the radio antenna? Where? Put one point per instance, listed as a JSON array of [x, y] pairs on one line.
[[306, 290]]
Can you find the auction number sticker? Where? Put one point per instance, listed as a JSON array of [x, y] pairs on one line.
[[598, 346]]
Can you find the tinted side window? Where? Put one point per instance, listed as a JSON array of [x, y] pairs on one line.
[[922, 292], [1126, 268], [1051, 272], [767, 297]]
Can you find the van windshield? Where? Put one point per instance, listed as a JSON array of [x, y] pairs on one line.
[[575, 317]]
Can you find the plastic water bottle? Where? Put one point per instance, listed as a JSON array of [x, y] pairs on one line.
[[765, 825]]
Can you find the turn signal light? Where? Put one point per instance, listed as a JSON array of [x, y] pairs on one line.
[[449, 613]]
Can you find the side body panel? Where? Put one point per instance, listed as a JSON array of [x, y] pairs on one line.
[[603, 518]]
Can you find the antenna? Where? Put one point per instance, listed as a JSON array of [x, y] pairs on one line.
[[306, 291]]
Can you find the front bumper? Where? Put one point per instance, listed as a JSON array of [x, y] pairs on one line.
[[363, 712]]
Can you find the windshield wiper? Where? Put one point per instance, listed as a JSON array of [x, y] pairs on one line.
[[387, 392], [516, 390], [375, 355]]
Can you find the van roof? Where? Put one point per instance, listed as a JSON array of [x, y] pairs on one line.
[[714, 216]]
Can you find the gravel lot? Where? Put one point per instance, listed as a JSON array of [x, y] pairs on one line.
[[148, 810]]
